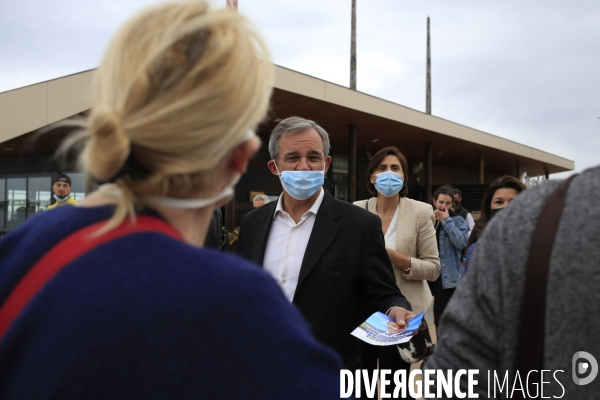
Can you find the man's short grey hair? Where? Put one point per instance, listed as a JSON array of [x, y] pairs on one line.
[[262, 197], [295, 125]]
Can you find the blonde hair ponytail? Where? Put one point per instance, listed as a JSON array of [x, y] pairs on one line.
[[179, 85], [107, 147]]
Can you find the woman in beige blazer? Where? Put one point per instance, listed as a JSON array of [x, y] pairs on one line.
[[408, 228]]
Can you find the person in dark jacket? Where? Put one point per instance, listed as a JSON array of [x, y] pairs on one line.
[[328, 256]]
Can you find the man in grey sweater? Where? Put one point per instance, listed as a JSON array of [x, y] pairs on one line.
[[481, 323]]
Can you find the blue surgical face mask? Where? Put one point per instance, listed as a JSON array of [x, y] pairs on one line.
[[301, 184], [388, 183], [61, 198]]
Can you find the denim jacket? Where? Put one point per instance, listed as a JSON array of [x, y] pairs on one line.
[[453, 238]]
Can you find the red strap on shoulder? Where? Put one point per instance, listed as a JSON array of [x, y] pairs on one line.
[[66, 251]]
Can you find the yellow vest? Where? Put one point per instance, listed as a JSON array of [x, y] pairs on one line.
[[58, 203]]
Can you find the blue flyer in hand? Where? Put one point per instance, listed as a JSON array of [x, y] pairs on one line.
[[381, 330]]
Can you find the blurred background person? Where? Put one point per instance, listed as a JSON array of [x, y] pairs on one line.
[[451, 231], [61, 189], [215, 231], [140, 309], [463, 212], [501, 192], [260, 200], [410, 240]]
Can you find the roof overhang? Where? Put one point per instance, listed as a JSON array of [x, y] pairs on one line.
[[379, 123]]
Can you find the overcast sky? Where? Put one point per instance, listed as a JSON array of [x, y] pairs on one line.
[[528, 71]]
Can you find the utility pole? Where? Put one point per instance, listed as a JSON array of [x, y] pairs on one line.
[[428, 82], [353, 48]]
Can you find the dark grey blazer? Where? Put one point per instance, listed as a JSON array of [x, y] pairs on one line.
[[346, 273]]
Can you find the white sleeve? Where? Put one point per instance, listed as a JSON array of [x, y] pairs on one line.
[[470, 223]]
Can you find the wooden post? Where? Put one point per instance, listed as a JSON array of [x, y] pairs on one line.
[[428, 171], [428, 78], [481, 170], [352, 157], [353, 47]]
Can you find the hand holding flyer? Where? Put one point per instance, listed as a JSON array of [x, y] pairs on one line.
[[381, 330]]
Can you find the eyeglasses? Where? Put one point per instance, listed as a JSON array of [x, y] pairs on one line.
[[311, 159]]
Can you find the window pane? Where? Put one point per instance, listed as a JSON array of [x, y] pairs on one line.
[[77, 185], [340, 176], [40, 194], [17, 201]]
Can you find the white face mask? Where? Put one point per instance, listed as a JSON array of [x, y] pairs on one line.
[[191, 204]]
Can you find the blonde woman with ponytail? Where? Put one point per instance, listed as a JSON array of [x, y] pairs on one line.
[[116, 298]]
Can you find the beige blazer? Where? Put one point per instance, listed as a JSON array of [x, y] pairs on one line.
[[415, 238]]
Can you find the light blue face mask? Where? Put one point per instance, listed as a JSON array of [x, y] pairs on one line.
[[388, 183], [61, 199], [301, 184]]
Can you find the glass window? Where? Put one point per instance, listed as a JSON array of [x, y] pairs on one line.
[[77, 185], [40, 194], [16, 198], [339, 169]]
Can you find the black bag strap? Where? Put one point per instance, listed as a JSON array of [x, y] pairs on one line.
[[530, 346]]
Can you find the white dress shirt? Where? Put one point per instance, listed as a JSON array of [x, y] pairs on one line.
[[470, 223], [287, 244]]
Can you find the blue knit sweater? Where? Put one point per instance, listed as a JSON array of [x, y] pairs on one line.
[[150, 317]]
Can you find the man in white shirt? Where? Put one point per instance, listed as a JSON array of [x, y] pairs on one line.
[[328, 256]]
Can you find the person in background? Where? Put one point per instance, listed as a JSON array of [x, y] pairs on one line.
[[482, 323], [140, 310], [463, 212], [410, 241], [260, 200], [213, 236], [328, 256], [500, 193], [451, 230], [61, 189]]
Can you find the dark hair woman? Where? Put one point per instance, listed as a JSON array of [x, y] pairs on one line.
[[499, 194], [409, 239]]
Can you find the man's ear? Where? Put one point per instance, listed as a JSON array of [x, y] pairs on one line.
[[272, 167], [327, 163], [241, 154]]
